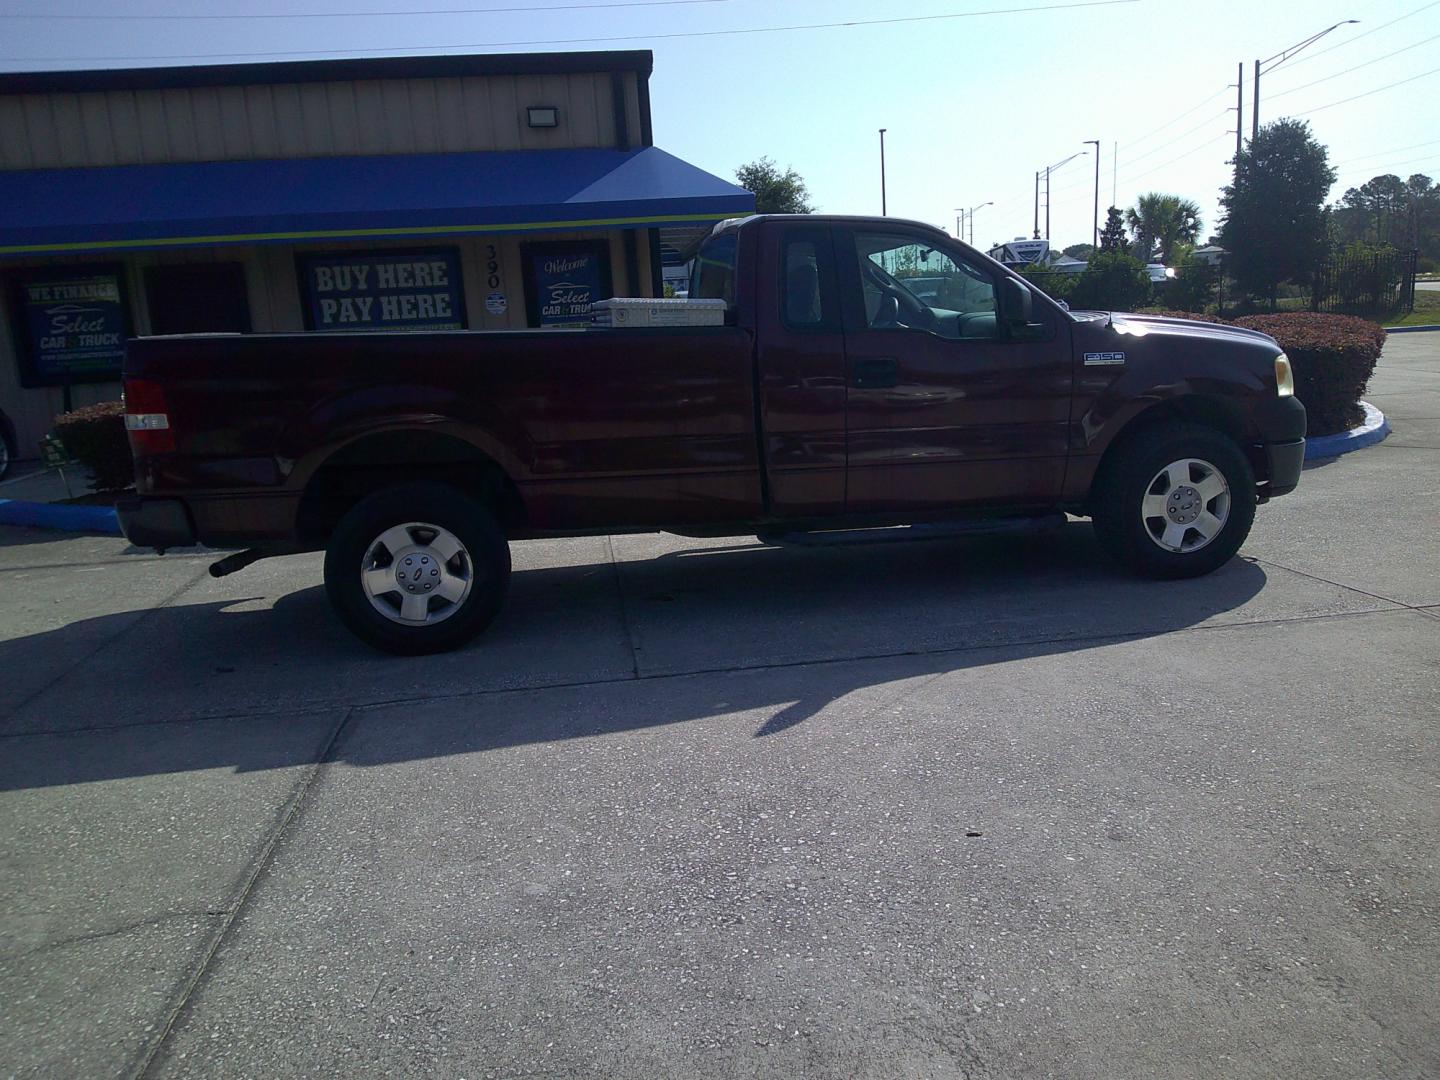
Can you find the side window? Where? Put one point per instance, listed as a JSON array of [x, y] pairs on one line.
[[909, 284], [713, 277], [807, 291]]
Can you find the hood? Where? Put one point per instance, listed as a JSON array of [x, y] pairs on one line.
[[1124, 324]]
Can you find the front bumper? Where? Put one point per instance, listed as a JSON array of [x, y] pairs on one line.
[[1286, 460], [155, 523]]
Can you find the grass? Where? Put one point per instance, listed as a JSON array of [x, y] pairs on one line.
[[1426, 313]]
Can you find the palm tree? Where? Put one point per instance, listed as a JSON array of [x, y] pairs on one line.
[[1167, 220]]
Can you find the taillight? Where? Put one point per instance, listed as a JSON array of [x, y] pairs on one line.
[[147, 420]]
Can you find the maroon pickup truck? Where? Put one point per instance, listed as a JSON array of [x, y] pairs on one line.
[[836, 396]]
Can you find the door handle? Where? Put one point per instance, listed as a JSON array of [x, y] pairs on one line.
[[875, 371]]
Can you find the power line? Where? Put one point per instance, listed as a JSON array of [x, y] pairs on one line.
[[127, 17], [1384, 153], [1390, 169], [1368, 93], [1181, 116], [590, 40], [1188, 131], [1357, 67], [1358, 37]]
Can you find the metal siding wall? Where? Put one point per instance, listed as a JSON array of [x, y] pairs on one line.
[[390, 116], [15, 152]]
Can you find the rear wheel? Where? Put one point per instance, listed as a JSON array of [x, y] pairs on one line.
[[1175, 502], [417, 568]]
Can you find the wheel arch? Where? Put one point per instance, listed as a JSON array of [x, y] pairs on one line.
[[1203, 409], [396, 456]]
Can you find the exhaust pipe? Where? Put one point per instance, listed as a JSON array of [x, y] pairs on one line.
[[238, 561]]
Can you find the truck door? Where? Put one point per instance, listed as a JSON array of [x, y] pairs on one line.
[[946, 407], [801, 363]]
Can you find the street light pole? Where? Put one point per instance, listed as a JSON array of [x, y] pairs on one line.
[[1280, 58], [882, 173], [1095, 221], [981, 206]]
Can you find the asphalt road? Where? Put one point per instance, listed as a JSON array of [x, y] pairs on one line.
[[982, 808]]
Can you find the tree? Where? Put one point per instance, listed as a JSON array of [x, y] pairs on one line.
[[1112, 238], [1375, 212], [1167, 220], [1275, 228], [775, 192], [1080, 251], [1387, 210]]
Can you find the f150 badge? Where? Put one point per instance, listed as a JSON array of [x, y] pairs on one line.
[[1101, 359]]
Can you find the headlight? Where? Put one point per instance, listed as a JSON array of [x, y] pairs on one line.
[[1284, 377]]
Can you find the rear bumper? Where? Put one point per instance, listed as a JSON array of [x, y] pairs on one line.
[[155, 523], [1286, 460]]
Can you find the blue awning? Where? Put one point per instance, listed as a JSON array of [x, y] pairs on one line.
[[134, 207]]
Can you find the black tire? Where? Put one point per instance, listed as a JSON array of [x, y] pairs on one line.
[[1126, 479], [486, 555]]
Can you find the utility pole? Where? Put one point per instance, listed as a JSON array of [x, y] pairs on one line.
[[1037, 206], [1095, 221], [1047, 204], [959, 223], [882, 173], [1239, 111], [1255, 105], [971, 218]]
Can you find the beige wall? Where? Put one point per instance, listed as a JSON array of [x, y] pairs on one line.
[[320, 119], [275, 303]]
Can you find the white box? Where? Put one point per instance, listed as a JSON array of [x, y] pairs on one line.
[[627, 312]]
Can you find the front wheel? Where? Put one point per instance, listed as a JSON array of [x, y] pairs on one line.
[[417, 568], [1176, 502]]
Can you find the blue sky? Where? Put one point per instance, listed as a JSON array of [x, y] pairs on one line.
[[973, 105]]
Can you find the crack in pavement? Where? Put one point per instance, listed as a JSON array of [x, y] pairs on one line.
[[259, 862], [101, 935]]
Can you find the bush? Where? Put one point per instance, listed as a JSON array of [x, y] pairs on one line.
[[1056, 284], [1111, 282], [95, 437], [1192, 287], [1333, 357]]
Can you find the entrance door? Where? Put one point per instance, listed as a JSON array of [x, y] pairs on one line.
[[199, 298], [946, 407]]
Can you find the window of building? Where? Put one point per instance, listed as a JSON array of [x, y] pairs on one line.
[[201, 298]]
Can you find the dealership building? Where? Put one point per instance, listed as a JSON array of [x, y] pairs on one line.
[[409, 193]]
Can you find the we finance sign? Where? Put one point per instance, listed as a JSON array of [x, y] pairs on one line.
[[412, 290], [72, 324]]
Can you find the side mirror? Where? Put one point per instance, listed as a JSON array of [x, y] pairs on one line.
[[1017, 304]]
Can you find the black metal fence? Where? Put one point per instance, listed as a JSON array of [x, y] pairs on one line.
[[1382, 283], [1370, 285]]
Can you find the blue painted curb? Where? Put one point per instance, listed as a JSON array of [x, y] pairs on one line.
[[1410, 329], [91, 519], [1374, 429]]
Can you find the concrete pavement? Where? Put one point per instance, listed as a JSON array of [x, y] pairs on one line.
[[976, 807]]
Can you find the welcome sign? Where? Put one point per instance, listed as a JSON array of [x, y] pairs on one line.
[[392, 290], [72, 323], [563, 281]]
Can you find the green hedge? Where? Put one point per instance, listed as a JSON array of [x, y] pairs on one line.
[[95, 437], [1333, 357]]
